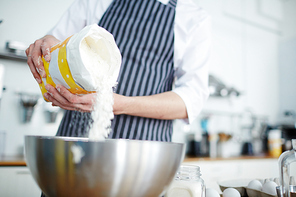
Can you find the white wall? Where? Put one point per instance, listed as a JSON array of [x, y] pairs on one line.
[[24, 21], [245, 55], [253, 51], [287, 60]]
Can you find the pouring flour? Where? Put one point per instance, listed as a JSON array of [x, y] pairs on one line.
[[87, 62]]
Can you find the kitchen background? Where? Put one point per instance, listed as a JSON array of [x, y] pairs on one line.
[[253, 56]]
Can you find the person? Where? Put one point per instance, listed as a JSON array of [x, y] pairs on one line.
[[165, 47]]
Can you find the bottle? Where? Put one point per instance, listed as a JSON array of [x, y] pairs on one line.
[[213, 141], [274, 143], [285, 162], [187, 183], [205, 144]]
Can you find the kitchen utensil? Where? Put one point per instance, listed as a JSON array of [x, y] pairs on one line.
[[187, 181], [65, 166], [280, 192], [28, 102], [284, 161]]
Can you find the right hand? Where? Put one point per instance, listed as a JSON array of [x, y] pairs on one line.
[[35, 51], [62, 97]]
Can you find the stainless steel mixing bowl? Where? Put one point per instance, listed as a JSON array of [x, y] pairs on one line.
[[64, 166]]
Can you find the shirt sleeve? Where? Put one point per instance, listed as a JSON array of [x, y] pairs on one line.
[[80, 14], [73, 20], [191, 59]]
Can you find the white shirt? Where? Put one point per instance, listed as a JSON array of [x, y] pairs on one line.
[[191, 45]]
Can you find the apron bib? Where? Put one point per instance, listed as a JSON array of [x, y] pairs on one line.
[[144, 33]]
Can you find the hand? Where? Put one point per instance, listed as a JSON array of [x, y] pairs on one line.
[[34, 53], [61, 97]]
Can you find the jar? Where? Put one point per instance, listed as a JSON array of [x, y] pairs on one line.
[[275, 143], [187, 183]]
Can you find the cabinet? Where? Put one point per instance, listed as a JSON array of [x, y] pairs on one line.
[[17, 182]]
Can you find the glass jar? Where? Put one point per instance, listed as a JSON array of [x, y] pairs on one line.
[[187, 183], [287, 187]]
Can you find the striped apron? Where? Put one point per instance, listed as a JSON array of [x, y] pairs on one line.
[[144, 33]]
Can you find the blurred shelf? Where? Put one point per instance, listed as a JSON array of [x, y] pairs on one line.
[[13, 56]]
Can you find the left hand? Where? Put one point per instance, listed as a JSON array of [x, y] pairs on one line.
[[61, 97]]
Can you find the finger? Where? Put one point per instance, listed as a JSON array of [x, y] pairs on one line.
[[73, 107], [36, 58], [68, 100], [55, 102], [60, 100], [57, 96], [27, 51], [31, 64], [45, 48], [73, 98]]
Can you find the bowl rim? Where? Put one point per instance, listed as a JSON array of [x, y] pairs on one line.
[[86, 139]]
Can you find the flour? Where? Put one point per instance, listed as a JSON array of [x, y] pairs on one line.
[[87, 62], [97, 63], [185, 189], [95, 67], [102, 113], [187, 183]]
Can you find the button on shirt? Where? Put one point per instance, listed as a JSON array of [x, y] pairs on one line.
[[191, 47]]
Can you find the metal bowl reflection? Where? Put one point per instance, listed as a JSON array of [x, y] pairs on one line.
[[64, 166]]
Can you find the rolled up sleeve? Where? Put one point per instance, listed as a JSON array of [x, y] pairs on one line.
[[192, 54]]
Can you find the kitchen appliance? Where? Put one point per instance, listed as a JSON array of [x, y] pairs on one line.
[[286, 188], [65, 166]]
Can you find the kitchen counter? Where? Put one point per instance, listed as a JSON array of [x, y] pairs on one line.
[[193, 159], [20, 160], [12, 161]]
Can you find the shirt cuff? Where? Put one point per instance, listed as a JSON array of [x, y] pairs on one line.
[[194, 101]]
